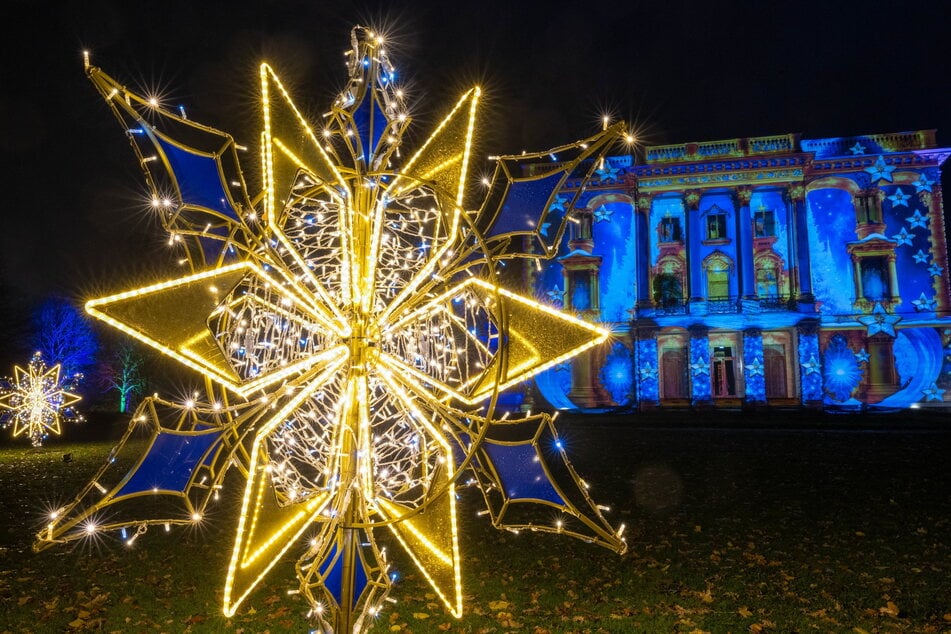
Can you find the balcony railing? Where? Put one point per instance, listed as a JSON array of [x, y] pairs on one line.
[[722, 305], [670, 307], [774, 303]]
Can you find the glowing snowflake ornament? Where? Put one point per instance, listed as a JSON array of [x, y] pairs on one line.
[[36, 401], [355, 305]]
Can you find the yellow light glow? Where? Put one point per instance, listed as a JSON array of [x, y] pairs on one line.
[[348, 323], [37, 401]]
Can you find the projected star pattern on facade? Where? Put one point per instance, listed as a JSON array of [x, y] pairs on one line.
[[355, 308], [35, 402]]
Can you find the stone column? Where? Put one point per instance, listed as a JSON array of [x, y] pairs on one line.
[[642, 249], [753, 369], [694, 237], [797, 194], [700, 387], [810, 363], [939, 248], [744, 244], [646, 367]]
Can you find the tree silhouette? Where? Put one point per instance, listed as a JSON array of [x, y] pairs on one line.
[[64, 336], [122, 372]]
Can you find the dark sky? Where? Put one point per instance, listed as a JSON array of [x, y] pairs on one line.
[[679, 71]]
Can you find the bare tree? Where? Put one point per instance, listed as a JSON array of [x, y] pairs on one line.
[[64, 336], [123, 372]]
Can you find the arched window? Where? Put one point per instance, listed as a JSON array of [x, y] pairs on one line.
[[718, 268], [668, 282]]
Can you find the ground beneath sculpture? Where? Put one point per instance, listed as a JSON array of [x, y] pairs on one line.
[[778, 522]]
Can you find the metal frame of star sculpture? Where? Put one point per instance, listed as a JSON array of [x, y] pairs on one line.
[[353, 336], [36, 401]]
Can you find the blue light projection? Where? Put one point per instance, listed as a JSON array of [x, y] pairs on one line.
[[810, 368], [845, 243], [831, 218], [701, 389], [841, 370], [555, 385], [614, 242], [617, 374], [753, 370], [919, 360], [647, 381]]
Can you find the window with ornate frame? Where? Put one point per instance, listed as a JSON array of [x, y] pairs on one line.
[[764, 223], [716, 226], [718, 268]]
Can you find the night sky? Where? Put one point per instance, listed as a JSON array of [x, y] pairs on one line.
[[76, 223]]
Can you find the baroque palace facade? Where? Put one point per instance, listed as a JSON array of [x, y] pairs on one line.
[[757, 272]]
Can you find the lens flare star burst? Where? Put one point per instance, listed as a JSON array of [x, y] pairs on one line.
[[35, 402], [353, 331]]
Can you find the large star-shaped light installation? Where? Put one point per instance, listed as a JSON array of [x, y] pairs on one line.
[[354, 308], [35, 402]]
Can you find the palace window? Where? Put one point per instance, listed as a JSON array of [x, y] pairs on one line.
[[764, 223], [767, 281], [668, 290], [668, 230], [875, 278], [716, 226], [718, 268]]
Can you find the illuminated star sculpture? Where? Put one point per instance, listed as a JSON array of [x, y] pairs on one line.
[[353, 333], [36, 401]]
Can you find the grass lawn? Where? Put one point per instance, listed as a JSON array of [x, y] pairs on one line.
[[819, 527]]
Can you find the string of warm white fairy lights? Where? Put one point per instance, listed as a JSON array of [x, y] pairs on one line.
[[36, 401], [353, 311]]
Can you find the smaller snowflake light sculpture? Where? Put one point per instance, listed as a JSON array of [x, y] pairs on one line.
[[35, 401]]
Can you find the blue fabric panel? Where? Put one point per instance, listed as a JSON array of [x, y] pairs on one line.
[[359, 581], [520, 211], [371, 123], [522, 476], [332, 567], [198, 179], [332, 570], [170, 463]]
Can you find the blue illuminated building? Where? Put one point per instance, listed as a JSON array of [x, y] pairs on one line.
[[758, 272]]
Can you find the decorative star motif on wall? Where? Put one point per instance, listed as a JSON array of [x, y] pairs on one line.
[[880, 170], [555, 294], [857, 149], [899, 198], [648, 373], [921, 257], [699, 366], [933, 393], [602, 214], [607, 173], [862, 356], [879, 321], [935, 270], [558, 204], [923, 184], [811, 366], [917, 220], [903, 237], [756, 368], [924, 304]]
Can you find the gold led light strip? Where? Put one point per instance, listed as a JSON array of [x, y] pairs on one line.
[[244, 556]]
